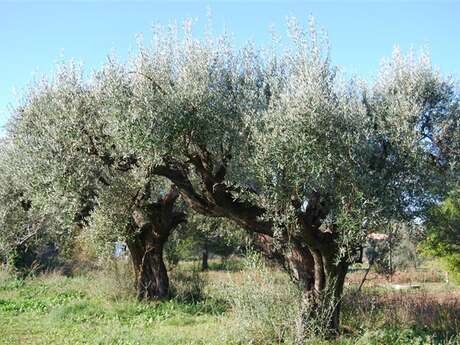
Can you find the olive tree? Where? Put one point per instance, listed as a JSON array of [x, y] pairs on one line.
[[19, 223], [303, 160], [74, 169], [28, 224]]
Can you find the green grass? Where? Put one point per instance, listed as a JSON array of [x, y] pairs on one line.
[[91, 309], [60, 310]]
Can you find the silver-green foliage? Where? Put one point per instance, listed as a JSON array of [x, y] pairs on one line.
[[285, 124], [292, 125]]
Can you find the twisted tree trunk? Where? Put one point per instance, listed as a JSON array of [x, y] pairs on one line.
[[308, 256], [151, 277], [329, 267], [151, 226], [325, 297]]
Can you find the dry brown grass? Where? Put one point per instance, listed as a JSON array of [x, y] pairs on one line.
[[408, 277], [437, 311]]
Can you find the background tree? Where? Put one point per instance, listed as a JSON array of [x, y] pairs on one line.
[[203, 237], [393, 248], [32, 234], [443, 233]]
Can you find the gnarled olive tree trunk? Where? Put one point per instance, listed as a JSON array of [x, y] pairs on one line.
[[152, 225], [321, 279], [323, 297], [322, 301], [151, 277], [309, 256]]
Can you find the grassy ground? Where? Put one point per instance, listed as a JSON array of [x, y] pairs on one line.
[[53, 309], [96, 308]]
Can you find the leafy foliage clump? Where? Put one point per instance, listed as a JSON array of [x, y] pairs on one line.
[[443, 234]]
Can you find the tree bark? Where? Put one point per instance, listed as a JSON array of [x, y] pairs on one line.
[[336, 278], [204, 258], [151, 225], [329, 267], [151, 277], [300, 263], [322, 303]]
